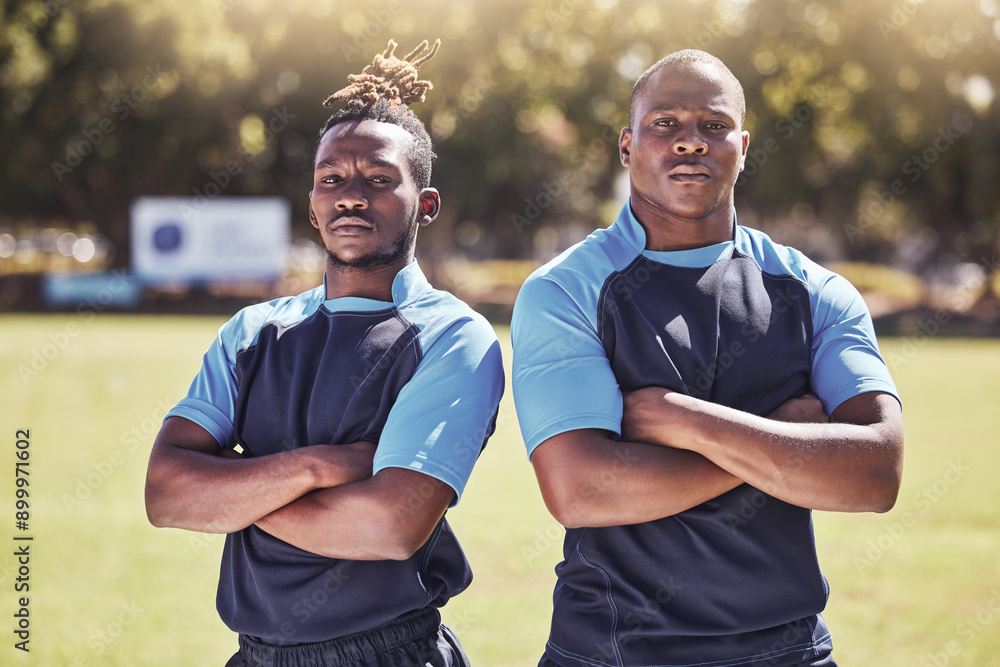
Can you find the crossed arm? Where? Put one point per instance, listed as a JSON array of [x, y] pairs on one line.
[[321, 498], [676, 452]]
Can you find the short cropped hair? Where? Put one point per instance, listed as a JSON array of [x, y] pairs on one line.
[[685, 57]]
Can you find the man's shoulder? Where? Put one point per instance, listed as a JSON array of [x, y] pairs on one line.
[[780, 260], [435, 311], [828, 290], [243, 327], [583, 266]]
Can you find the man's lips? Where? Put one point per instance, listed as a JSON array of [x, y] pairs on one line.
[[350, 224], [690, 174]]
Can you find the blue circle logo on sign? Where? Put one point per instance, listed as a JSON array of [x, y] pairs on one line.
[[168, 237]]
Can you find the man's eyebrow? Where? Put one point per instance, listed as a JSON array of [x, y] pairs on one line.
[[712, 110], [367, 162]]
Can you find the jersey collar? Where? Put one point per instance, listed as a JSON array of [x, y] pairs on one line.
[[633, 234]]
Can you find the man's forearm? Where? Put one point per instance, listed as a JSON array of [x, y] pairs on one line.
[[212, 494], [385, 517], [189, 485], [588, 479], [828, 466]]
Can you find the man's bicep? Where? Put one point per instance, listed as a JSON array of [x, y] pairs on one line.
[[562, 379], [874, 408], [183, 433], [846, 361], [442, 417]]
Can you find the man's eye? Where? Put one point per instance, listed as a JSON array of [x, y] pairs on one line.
[[379, 179]]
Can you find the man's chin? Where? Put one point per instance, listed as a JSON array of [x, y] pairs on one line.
[[374, 260]]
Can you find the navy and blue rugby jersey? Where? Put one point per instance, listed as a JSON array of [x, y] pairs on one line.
[[749, 324], [421, 376]]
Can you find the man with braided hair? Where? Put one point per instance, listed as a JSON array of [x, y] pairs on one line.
[[360, 407]]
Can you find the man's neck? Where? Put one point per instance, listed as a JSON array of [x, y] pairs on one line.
[[368, 283], [669, 232]]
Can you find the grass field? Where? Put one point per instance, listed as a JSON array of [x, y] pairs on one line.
[[918, 586]]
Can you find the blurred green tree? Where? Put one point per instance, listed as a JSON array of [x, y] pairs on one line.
[[874, 126]]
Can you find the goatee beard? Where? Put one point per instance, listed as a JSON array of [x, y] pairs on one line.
[[380, 257]]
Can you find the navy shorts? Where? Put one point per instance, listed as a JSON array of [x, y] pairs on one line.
[[417, 638], [822, 661]]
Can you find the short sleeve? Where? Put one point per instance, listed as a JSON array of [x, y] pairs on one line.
[[845, 357], [562, 379], [211, 399], [446, 411]]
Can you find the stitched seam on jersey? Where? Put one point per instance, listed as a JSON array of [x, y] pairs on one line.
[[610, 597], [569, 654], [617, 275], [414, 331], [431, 543], [792, 277], [414, 337]]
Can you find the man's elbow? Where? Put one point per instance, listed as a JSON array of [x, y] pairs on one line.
[[569, 505], [399, 536], [887, 481], [157, 511], [886, 493]]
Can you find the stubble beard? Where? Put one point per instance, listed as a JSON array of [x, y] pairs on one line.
[[380, 257]]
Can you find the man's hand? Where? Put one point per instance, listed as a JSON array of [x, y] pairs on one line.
[[644, 413], [345, 463]]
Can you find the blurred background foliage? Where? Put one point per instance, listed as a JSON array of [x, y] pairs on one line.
[[875, 132]]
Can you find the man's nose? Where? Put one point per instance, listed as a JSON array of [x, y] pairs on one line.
[[351, 197], [692, 143]]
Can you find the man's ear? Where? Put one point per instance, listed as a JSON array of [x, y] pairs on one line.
[[746, 144], [429, 202], [312, 216], [624, 143]]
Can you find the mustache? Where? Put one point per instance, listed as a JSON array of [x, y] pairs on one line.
[[352, 214]]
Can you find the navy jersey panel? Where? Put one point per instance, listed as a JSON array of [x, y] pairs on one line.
[[305, 371], [745, 324]]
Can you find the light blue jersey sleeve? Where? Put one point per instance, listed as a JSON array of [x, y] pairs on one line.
[[444, 413], [562, 378], [211, 400], [845, 357]]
